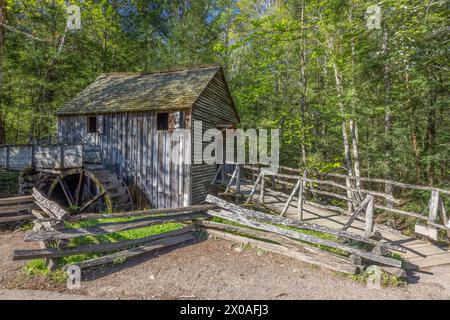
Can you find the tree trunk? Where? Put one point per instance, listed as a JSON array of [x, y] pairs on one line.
[[2, 39], [414, 142], [347, 156], [431, 137], [388, 113], [304, 82]]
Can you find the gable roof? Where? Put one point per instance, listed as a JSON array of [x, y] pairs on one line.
[[125, 92]]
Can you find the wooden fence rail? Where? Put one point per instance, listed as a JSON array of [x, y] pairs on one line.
[[17, 209], [302, 183], [52, 234]]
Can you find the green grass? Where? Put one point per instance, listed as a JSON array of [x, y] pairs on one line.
[[387, 280], [38, 267], [112, 237]]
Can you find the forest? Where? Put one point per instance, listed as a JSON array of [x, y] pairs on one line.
[[348, 94]]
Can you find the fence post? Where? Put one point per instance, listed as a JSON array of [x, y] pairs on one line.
[[262, 193], [369, 217], [434, 207], [238, 179], [300, 197]]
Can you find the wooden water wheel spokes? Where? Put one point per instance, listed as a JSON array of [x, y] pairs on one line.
[[80, 189]]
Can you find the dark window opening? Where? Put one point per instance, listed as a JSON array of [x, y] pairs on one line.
[[92, 124], [162, 121]]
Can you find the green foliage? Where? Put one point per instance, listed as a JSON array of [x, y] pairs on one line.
[[282, 60], [9, 184]]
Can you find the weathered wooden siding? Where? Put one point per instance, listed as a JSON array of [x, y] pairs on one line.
[[140, 155], [72, 129], [19, 157], [214, 107]]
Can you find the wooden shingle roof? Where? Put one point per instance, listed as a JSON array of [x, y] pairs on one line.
[[125, 92]]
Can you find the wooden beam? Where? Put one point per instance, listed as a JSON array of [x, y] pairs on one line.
[[16, 200], [151, 212], [233, 176], [239, 218], [369, 218], [66, 191], [16, 208], [296, 224], [91, 202], [326, 261], [291, 196], [357, 212], [145, 248], [105, 228], [102, 247], [49, 207], [79, 190], [21, 217], [252, 192]]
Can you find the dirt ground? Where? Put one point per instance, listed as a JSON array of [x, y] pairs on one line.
[[210, 269]]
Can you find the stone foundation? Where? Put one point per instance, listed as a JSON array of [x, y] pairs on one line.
[[30, 179]]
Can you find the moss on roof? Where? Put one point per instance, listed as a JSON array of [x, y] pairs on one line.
[[159, 91]]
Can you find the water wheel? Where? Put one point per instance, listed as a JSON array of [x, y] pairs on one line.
[[81, 190]]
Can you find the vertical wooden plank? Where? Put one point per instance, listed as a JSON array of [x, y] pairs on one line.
[[167, 168], [369, 218], [262, 192], [300, 199]]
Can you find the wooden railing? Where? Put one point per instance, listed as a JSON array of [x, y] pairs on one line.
[[302, 186]]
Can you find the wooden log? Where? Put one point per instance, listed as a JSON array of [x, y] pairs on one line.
[[328, 262], [398, 272], [149, 247], [105, 228], [240, 218], [143, 213], [21, 217], [297, 224], [291, 196], [16, 208], [49, 207], [103, 247], [16, 200], [51, 263], [356, 213], [369, 218]]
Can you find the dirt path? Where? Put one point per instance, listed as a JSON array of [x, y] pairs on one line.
[[211, 269]]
